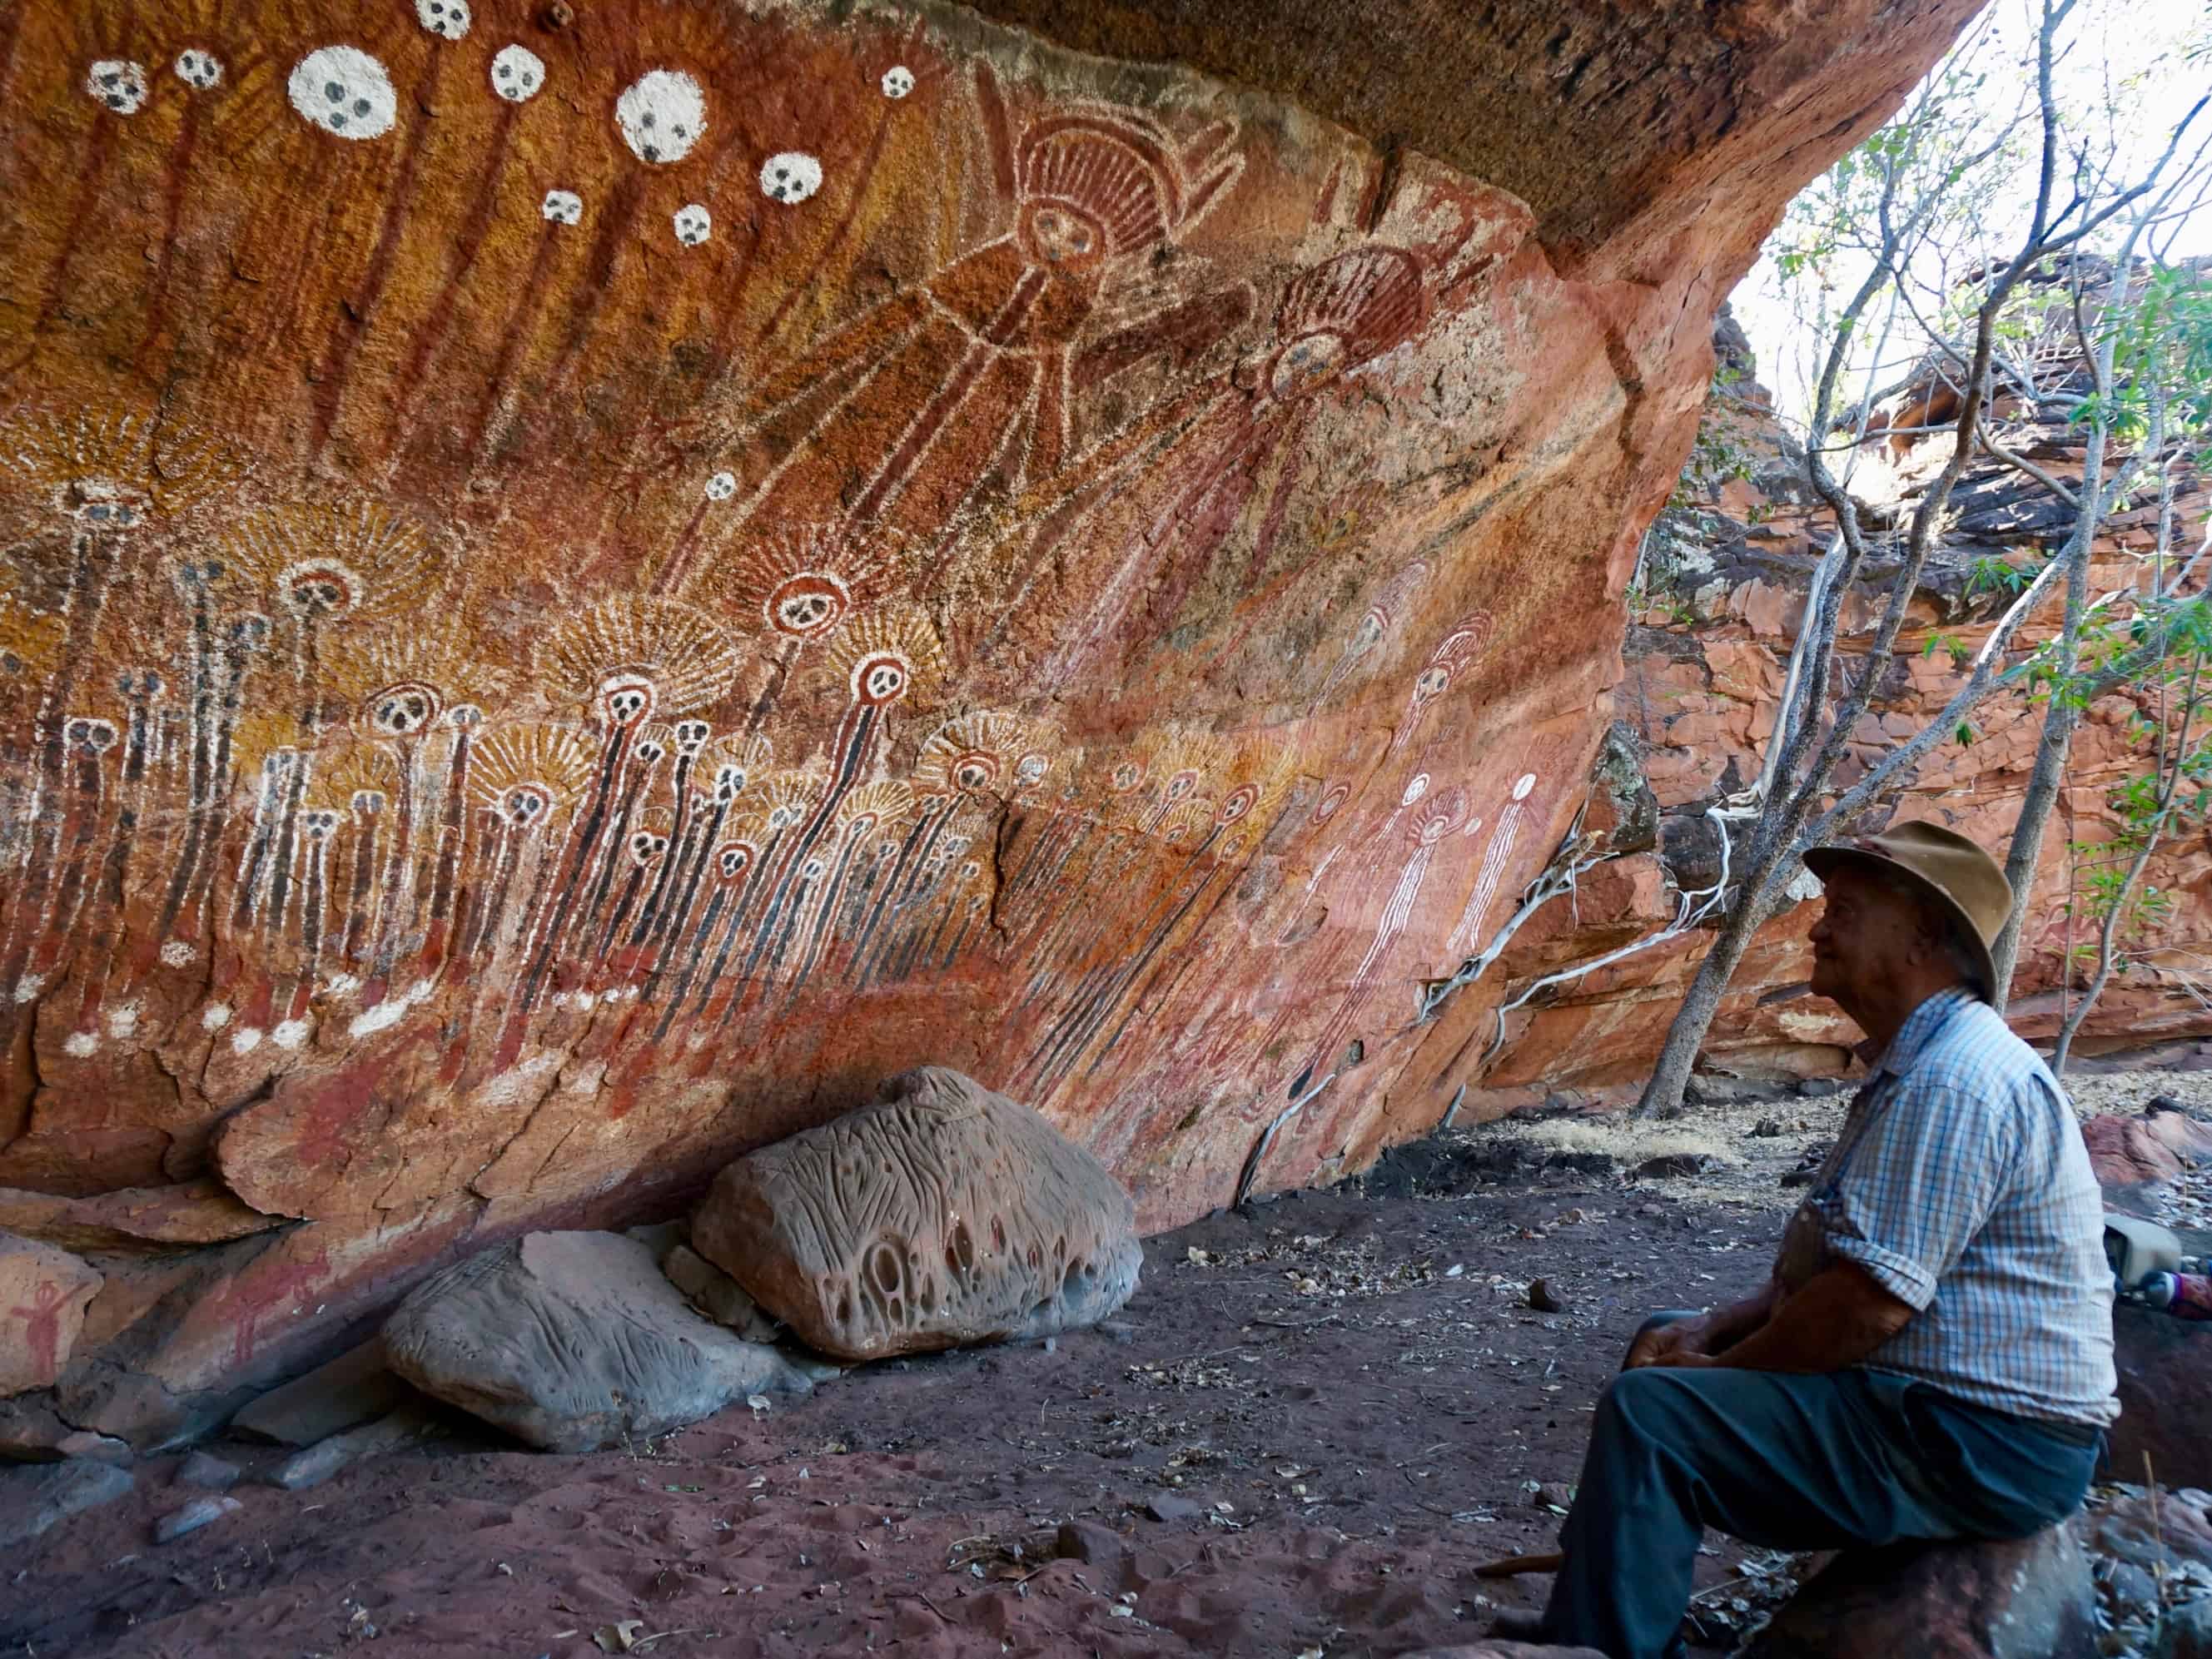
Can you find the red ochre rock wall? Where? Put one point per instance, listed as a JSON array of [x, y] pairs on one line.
[[584, 581]]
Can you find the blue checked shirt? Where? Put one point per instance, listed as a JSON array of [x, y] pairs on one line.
[[1961, 1185]]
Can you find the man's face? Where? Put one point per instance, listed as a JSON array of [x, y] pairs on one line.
[[1868, 935]]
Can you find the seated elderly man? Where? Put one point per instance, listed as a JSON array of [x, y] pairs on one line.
[[1932, 1356]]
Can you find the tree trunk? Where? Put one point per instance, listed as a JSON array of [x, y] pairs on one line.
[[2052, 751], [1678, 1058]]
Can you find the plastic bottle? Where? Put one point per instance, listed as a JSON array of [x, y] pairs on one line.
[[2185, 1295]]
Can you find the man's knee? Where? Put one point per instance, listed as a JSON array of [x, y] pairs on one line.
[[1627, 1400]]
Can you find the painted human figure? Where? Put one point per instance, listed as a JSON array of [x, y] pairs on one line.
[[1496, 859], [256, 1295], [42, 1326], [899, 417], [1352, 872], [1453, 656], [1140, 522], [1424, 829]]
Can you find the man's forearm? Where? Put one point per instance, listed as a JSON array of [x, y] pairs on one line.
[[1836, 1319], [1726, 1327]]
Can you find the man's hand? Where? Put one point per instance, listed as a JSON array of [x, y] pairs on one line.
[[1663, 1345], [1835, 1320]]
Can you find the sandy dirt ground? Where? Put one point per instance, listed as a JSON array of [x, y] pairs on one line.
[[1310, 1424]]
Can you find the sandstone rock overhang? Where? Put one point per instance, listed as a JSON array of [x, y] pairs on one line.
[[1620, 126], [584, 581]]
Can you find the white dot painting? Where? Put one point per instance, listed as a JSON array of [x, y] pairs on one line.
[[694, 225], [563, 207], [662, 116], [721, 486], [898, 81], [118, 84], [343, 90], [197, 69], [790, 176], [517, 73], [447, 18]]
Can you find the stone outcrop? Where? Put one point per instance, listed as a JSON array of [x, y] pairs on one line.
[[942, 1214], [584, 581], [2166, 1411], [574, 1342], [2138, 1158], [2030, 1599], [136, 1220]]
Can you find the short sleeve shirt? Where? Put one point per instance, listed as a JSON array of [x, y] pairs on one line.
[[1961, 1184]]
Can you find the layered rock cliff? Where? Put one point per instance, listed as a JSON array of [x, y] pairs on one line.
[[1720, 600], [587, 578]]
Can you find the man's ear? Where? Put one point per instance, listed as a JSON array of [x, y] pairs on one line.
[[1930, 939]]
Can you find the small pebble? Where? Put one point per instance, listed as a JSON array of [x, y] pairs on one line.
[[194, 1516]]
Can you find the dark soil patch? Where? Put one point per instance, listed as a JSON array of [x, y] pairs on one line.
[[1349, 1388]]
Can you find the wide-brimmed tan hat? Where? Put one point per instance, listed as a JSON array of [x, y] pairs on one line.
[[1949, 871]]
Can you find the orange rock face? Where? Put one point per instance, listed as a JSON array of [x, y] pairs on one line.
[[583, 582]]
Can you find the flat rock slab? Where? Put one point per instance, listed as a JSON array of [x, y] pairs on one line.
[[2166, 1405], [318, 1462], [200, 1512], [574, 1342], [941, 1215], [357, 1387], [2029, 1599], [33, 1500], [138, 1219], [44, 1292], [1506, 1650]]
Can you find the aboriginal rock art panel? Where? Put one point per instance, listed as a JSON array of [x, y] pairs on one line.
[[561, 564]]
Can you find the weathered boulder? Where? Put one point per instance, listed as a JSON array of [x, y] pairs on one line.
[[942, 1214], [573, 1341], [1503, 1650], [2136, 1157], [2165, 1409], [2031, 1598], [44, 1292], [35, 1500], [356, 1387]]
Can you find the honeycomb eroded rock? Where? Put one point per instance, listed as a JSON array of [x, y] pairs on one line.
[[942, 1214]]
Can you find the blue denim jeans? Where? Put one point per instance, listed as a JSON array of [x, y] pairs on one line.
[[1851, 1459]]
